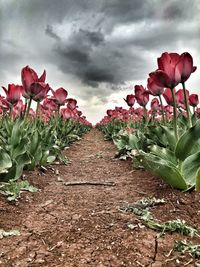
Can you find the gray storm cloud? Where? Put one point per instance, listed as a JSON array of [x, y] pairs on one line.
[[100, 44]]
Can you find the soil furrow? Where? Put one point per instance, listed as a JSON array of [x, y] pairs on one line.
[[82, 225]]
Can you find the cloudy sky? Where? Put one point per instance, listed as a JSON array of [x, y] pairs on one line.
[[96, 49]]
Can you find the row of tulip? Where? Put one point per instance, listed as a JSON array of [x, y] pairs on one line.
[[31, 138], [165, 139]]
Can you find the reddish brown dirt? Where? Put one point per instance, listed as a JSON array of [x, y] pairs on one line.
[[82, 225]]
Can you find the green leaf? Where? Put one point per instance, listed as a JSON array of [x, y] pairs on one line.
[[187, 141], [163, 153], [20, 148], [197, 178], [133, 140], [50, 159], [189, 168], [35, 139], [171, 140], [5, 162], [163, 169], [16, 134]]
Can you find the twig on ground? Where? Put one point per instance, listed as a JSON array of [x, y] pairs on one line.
[[90, 183]]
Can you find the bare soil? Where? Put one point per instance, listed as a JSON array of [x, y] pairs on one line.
[[81, 225]]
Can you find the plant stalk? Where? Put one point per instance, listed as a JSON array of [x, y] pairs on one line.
[[175, 114], [162, 109], [187, 106]]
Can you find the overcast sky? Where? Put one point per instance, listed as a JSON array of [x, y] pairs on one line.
[[96, 49]]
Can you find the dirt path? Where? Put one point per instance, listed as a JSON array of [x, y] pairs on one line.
[[82, 225]]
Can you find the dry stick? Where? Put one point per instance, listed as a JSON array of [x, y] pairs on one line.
[[90, 183]]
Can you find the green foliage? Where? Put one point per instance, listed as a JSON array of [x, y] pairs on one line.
[[178, 226], [156, 148], [27, 144], [13, 189], [185, 247]]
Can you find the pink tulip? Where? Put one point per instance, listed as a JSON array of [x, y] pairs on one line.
[[154, 89], [49, 104], [130, 100], [155, 105], [180, 98], [184, 67], [28, 77], [67, 113], [193, 100], [71, 103], [168, 96], [38, 91], [173, 69], [141, 95], [4, 104], [60, 96], [13, 93], [109, 112]]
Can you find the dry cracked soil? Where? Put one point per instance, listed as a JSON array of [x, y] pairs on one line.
[[82, 225]]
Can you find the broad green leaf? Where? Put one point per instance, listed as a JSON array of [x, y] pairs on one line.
[[171, 140], [133, 140], [16, 134], [163, 169], [35, 139], [21, 161], [155, 133], [5, 162], [20, 148], [163, 153], [187, 141], [121, 141], [50, 159], [189, 168], [197, 185]]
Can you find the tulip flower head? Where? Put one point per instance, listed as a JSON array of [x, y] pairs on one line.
[[13, 93]]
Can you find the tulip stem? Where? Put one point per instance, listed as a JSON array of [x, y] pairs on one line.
[[175, 114], [162, 109], [25, 107], [145, 116], [36, 114], [28, 108], [11, 112], [187, 106]]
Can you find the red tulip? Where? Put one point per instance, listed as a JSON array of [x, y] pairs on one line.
[[155, 105], [71, 103], [13, 93], [109, 112], [18, 108], [168, 96], [173, 69], [4, 103], [143, 99], [154, 89], [180, 98], [184, 67], [49, 104], [28, 77], [130, 100], [139, 89], [60, 96], [193, 100], [141, 95], [38, 91], [67, 113]]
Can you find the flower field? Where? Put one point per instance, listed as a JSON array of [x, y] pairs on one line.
[[122, 193]]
